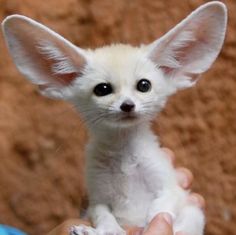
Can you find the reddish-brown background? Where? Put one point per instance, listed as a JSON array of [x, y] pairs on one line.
[[42, 141]]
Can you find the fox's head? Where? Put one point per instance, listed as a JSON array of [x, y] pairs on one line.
[[117, 84]]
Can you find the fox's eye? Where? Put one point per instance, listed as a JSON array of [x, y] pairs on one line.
[[144, 85], [103, 89]]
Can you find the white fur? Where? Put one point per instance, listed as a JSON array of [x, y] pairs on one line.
[[129, 178]]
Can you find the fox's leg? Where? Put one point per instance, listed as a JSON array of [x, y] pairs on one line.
[[190, 221], [103, 221], [187, 218]]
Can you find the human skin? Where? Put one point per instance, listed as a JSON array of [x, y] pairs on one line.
[[162, 223]]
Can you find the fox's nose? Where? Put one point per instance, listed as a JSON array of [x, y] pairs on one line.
[[127, 106]]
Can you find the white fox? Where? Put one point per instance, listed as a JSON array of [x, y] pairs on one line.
[[118, 90]]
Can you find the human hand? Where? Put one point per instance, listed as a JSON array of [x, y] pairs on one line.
[[185, 179], [161, 224]]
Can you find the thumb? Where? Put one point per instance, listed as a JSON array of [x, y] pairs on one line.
[[160, 225]]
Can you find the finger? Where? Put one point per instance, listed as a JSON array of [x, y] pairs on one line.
[[160, 225], [184, 177], [197, 200], [134, 230], [170, 155]]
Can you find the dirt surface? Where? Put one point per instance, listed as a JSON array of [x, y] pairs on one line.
[[42, 141]]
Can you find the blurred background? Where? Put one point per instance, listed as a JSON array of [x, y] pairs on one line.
[[42, 141]]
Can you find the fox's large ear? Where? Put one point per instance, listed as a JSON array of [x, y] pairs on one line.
[[43, 56], [191, 47]]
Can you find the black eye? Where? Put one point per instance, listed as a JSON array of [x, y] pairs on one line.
[[144, 85], [103, 89]]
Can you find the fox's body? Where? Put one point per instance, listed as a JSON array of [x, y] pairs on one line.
[[118, 90], [117, 168]]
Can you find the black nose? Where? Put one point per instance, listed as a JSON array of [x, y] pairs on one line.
[[127, 106]]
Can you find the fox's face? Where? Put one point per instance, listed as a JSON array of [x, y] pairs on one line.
[[120, 86], [117, 85]]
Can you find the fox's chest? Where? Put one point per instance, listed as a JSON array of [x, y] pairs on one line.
[[123, 186], [131, 197], [117, 177]]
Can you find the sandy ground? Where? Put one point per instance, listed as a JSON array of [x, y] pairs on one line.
[[42, 141]]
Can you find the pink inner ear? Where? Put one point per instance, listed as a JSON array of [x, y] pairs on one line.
[[44, 57], [166, 70], [63, 80], [66, 79]]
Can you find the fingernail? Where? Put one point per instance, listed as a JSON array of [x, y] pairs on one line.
[[138, 233], [183, 180], [167, 218], [195, 200]]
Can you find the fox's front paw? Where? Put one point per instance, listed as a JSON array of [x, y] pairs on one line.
[[82, 230], [87, 230]]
